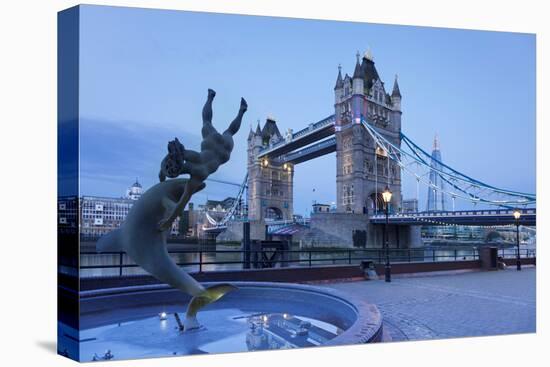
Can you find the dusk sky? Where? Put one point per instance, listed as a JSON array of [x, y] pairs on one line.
[[145, 74]]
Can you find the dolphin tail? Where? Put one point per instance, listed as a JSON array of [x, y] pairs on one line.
[[209, 295], [110, 242]]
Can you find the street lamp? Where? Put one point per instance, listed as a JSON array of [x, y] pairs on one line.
[[386, 196], [517, 215]]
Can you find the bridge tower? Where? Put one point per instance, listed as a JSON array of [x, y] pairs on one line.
[[362, 169], [269, 194]]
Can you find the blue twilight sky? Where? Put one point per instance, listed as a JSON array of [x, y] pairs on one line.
[[144, 75]]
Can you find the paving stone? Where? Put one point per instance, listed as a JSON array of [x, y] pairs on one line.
[[450, 306]]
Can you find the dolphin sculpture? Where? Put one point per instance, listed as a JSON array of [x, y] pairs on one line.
[[141, 239]]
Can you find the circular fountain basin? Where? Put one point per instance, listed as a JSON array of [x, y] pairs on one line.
[[140, 322]]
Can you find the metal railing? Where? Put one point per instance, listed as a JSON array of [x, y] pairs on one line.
[[93, 264], [456, 213]]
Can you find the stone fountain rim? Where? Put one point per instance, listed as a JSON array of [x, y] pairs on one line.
[[366, 329]]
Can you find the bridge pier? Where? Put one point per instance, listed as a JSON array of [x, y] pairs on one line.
[[415, 237], [234, 231], [336, 230], [398, 236], [332, 230]]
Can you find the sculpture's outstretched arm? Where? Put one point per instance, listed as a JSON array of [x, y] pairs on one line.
[[236, 123]]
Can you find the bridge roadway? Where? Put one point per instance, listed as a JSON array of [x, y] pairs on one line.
[[460, 217], [311, 134], [313, 151]]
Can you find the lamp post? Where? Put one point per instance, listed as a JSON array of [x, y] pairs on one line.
[[517, 215], [386, 195]]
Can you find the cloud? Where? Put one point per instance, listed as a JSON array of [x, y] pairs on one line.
[[114, 153]]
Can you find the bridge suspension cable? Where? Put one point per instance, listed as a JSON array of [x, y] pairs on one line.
[[423, 155], [235, 207], [223, 182], [461, 186]]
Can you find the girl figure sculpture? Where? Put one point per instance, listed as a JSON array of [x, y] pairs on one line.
[[143, 235], [215, 150]]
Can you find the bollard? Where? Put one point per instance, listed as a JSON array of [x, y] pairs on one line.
[[120, 262], [246, 245], [180, 324]]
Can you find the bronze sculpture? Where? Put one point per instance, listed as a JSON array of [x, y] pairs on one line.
[[215, 150], [144, 233]]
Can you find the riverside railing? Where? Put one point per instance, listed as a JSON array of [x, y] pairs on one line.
[[94, 264]]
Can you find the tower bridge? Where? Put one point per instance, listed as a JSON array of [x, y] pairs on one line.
[[372, 153], [363, 169]]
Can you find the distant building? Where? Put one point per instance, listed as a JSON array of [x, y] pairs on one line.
[[97, 215], [187, 223], [436, 202], [101, 215], [436, 196], [410, 206], [67, 213], [457, 233], [135, 191], [321, 208]]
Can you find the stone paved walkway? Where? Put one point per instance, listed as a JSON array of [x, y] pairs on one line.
[[457, 305]]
